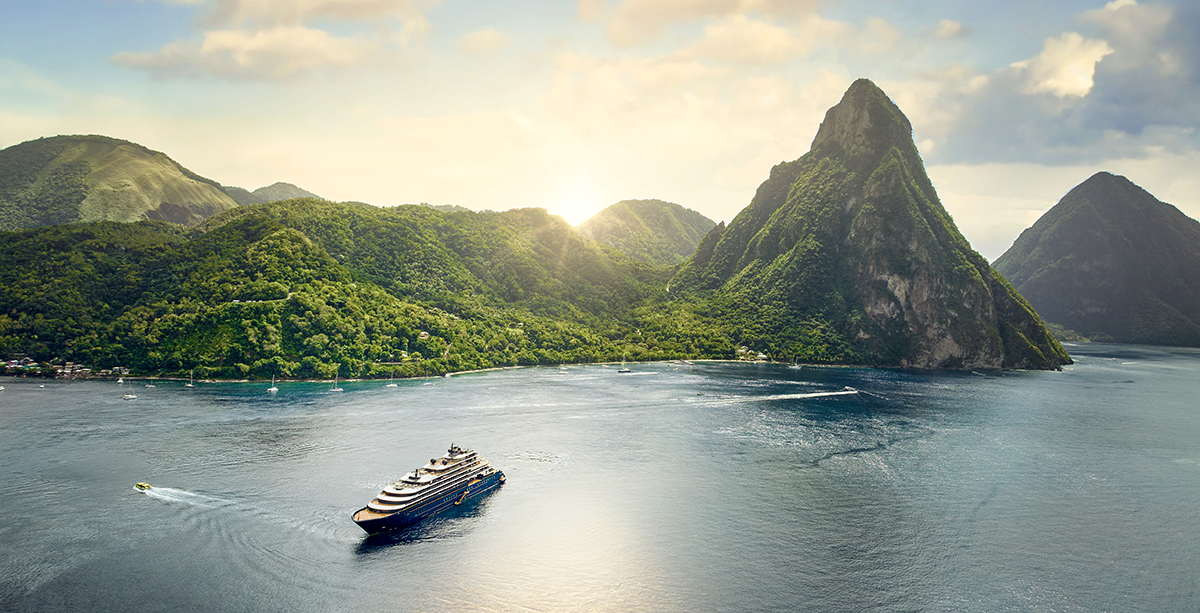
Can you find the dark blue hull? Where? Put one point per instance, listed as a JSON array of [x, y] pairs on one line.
[[431, 507]]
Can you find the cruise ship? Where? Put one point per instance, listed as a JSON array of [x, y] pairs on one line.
[[441, 484]]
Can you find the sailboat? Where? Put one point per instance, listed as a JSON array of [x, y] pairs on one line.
[[392, 380], [335, 387], [272, 389], [191, 380], [623, 368]]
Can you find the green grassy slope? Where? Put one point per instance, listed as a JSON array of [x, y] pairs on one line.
[[92, 178]]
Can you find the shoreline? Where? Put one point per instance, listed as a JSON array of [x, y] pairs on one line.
[[151, 378]]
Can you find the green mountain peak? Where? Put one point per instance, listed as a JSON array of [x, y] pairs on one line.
[[847, 255], [864, 126]]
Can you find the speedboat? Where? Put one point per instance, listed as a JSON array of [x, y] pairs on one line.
[[142, 486]]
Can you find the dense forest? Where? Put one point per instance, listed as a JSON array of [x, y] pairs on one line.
[[309, 288]]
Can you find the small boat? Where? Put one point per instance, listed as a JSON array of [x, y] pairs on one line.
[[392, 380], [1, 388], [191, 381], [128, 397], [272, 389], [120, 380], [142, 486], [149, 385], [623, 367], [335, 387]]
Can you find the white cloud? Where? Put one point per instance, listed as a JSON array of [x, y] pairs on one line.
[[277, 39], [266, 13], [740, 39], [947, 28], [276, 53], [634, 22], [480, 42], [1136, 31], [1065, 67]]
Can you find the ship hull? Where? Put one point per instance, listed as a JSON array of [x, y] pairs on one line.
[[427, 508]]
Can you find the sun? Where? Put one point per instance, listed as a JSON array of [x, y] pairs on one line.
[[575, 198]]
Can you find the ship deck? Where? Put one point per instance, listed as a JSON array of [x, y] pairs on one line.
[[366, 514]]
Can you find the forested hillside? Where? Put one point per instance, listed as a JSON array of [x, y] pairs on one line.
[[661, 233], [65, 179], [307, 288]]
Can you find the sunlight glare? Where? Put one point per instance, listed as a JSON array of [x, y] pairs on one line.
[[576, 199]]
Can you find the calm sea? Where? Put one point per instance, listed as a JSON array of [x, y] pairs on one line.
[[677, 487]]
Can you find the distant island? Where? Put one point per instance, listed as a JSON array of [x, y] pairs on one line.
[[844, 256]]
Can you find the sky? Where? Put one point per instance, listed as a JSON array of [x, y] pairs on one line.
[[574, 105]]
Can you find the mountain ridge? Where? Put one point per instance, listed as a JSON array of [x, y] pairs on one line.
[[271, 193]]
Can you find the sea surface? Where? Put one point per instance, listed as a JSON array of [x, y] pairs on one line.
[[677, 487]]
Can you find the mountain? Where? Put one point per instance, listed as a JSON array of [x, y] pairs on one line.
[[306, 288], [661, 233], [1112, 261], [270, 193], [847, 255], [66, 179]]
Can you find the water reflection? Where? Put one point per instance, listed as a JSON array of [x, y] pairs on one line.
[[452, 523]]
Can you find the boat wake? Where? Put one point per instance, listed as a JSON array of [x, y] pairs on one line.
[[849, 391], [173, 495]]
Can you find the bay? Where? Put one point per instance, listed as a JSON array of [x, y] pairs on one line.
[[677, 487]]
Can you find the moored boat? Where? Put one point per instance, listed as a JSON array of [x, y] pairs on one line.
[[443, 483]]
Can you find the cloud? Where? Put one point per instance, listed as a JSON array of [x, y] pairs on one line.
[[635, 22], [277, 53], [1130, 90], [1065, 66], [743, 40], [268, 13], [483, 41], [590, 10], [275, 39], [949, 29]]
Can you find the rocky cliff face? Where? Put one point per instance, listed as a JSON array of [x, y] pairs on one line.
[[1112, 261], [849, 246]]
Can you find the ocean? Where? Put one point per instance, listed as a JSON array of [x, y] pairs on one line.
[[676, 487]]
